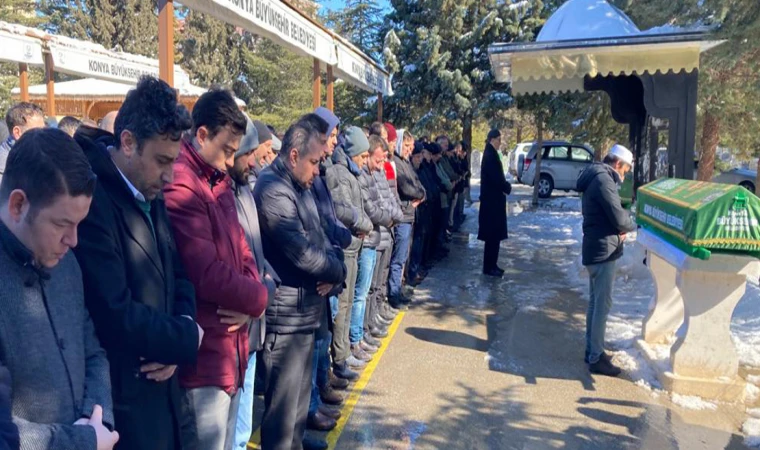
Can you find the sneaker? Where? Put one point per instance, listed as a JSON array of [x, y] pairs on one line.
[[604, 367], [355, 364], [360, 354], [342, 371]]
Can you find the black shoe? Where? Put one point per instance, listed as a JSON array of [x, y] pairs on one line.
[[500, 270], [378, 333], [604, 367], [382, 319], [372, 341], [310, 443], [493, 273], [344, 372], [399, 306], [604, 355], [387, 316]]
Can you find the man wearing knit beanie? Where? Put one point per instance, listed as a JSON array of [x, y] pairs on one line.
[[343, 181]]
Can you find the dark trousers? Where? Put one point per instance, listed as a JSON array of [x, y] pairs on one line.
[[491, 255], [341, 345], [416, 254], [288, 360], [378, 288]]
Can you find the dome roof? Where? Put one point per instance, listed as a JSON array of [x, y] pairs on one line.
[[586, 19]]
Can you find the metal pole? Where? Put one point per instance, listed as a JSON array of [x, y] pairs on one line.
[[50, 84], [379, 106], [330, 89], [316, 85], [23, 81], [166, 41]]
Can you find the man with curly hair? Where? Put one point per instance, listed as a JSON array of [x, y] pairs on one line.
[[136, 289]]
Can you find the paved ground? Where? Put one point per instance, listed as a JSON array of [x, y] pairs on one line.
[[470, 368]]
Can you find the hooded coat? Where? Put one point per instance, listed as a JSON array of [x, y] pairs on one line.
[[494, 189], [604, 218]]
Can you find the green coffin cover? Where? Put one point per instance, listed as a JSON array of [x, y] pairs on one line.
[[697, 214]]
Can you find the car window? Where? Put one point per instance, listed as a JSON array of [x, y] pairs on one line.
[[581, 154], [556, 152]]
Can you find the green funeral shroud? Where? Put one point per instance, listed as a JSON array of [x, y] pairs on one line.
[[700, 217]]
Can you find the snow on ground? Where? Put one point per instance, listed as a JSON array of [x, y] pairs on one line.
[[556, 225]]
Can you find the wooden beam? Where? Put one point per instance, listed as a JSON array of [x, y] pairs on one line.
[[330, 89], [50, 84], [23, 81], [316, 85], [379, 106], [166, 41]]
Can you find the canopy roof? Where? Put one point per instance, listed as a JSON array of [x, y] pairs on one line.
[[589, 38], [76, 57], [95, 89], [281, 22]]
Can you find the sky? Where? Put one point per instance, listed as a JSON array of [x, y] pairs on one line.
[[338, 4]]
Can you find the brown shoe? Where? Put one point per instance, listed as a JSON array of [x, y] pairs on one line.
[[320, 422], [338, 383], [329, 396], [330, 412]]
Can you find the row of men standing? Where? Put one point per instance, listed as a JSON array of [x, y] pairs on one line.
[[177, 260]]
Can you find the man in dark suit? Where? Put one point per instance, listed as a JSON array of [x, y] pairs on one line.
[[142, 304]]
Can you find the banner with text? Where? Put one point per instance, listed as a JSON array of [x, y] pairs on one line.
[[105, 67], [20, 49], [355, 69], [272, 19]]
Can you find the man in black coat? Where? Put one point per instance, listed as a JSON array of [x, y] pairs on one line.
[[605, 226], [141, 303], [298, 249], [494, 189]]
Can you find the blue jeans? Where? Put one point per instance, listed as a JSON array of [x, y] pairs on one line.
[[333, 307], [403, 235], [244, 425], [601, 279], [367, 260], [319, 372]]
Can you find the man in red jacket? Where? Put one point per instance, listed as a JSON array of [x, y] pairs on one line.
[[220, 265]]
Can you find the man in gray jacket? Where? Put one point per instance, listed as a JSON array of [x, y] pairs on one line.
[[60, 378], [248, 216], [605, 225], [342, 180]]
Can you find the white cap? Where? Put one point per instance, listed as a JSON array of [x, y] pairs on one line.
[[622, 153], [276, 143]]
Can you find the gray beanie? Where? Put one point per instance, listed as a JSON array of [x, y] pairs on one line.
[[355, 142], [264, 133], [250, 140]]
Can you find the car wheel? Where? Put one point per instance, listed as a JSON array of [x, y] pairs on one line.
[[748, 185], [545, 186]]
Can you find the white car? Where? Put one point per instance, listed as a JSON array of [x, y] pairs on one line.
[[516, 157], [743, 177], [561, 164]]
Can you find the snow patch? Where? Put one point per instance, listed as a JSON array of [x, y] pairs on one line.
[[751, 430], [692, 402]]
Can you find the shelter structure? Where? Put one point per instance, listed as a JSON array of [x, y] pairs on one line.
[[282, 22], [93, 98], [650, 76]]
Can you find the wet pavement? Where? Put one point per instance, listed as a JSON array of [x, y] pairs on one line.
[[481, 363]]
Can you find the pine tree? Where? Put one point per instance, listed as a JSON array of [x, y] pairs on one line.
[[439, 48]]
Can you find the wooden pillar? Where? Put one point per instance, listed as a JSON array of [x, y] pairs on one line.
[[379, 106], [166, 41], [316, 85], [23, 81], [330, 89], [50, 84]]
